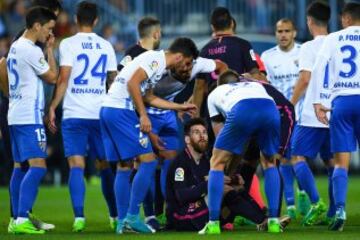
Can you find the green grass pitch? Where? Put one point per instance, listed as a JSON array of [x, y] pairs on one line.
[[53, 205]]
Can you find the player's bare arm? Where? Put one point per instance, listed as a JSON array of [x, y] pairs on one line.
[[51, 75], [157, 102], [200, 88], [61, 86], [300, 86], [4, 82], [134, 90]]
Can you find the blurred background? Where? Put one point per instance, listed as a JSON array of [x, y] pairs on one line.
[[118, 20]]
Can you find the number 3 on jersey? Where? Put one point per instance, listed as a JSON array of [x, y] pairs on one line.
[[350, 61], [97, 71]]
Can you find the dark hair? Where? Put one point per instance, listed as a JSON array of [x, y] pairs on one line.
[[52, 5], [353, 9], [320, 12], [221, 18], [145, 25], [192, 122], [185, 46], [39, 15], [86, 13], [287, 20], [229, 76]]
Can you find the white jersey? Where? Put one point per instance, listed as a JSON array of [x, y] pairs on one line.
[[168, 87], [224, 97], [308, 53], [90, 58], [154, 65], [25, 62], [282, 68], [340, 51]]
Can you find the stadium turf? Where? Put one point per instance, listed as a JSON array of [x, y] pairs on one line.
[[53, 205]]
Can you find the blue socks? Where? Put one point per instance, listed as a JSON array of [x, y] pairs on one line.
[[15, 182], [272, 190], [122, 192], [164, 170], [107, 187], [306, 180], [215, 191], [340, 182], [141, 185], [332, 209], [29, 189], [77, 190], [148, 203], [287, 174]]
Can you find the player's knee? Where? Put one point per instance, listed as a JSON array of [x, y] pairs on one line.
[[148, 157], [297, 159], [37, 162], [168, 154], [124, 166], [77, 161], [102, 164]]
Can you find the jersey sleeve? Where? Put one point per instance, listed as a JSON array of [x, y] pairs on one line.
[[213, 111], [306, 61], [204, 65], [38, 62], [249, 57], [151, 64], [65, 54], [320, 68], [112, 64]]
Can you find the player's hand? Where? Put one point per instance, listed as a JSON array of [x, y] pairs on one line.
[[320, 112], [156, 142], [189, 108], [52, 120], [145, 124], [227, 188], [227, 179], [50, 43]]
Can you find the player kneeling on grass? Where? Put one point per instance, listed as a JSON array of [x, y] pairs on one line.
[[238, 111]]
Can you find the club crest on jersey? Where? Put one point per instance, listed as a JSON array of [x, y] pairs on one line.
[[296, 62], [42, 145], [179, 175], [126, 60], [154, 65], [42, 61]]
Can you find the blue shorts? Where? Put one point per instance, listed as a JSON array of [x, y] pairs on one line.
[[309, 141], [166, 127], [120, 130], [81, 136], [345, 123], [247, 118], [27, 142]]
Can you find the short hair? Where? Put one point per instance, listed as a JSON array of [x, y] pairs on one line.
[[52, 5], [86, 13], [353, 9], [185, 46], [286, 20], [229, 76], [320, 12], [39, 15], [192, 122], [145, 26], [221, 18]]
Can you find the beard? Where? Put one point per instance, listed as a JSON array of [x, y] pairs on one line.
[[200, 146]]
